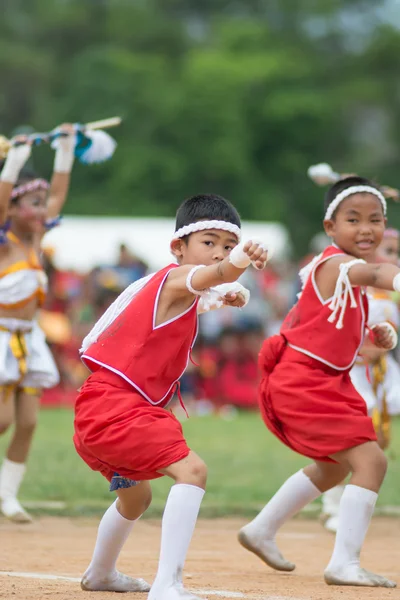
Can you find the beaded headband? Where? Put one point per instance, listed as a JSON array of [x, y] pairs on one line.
[[203, 225], [355, 189], [31, 186]]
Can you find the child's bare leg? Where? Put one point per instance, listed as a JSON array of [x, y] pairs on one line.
[[179, 520], [114, 529], [13, 468], [368, 465], [300, 489]]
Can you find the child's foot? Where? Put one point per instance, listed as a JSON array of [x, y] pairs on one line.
[[114, 582], [267, 550], [355, 575], [174, 591], [12, 509]]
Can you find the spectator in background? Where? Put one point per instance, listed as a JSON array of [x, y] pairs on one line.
[[228, 371]]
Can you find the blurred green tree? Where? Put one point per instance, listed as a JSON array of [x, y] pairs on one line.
[[234, 97]]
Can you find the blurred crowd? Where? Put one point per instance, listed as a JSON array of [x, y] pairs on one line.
[[223, 376]]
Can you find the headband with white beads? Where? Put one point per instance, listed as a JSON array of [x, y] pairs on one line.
[[31, 186], [203, 225], [355, 189]]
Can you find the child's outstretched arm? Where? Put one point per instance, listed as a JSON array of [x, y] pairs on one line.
[[196, 279], [16, 159], [60, 180], [383, 276]]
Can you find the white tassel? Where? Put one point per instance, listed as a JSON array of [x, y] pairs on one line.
[[323, 174], [305, 272], [102, 147], [213, 299], [343, 290]]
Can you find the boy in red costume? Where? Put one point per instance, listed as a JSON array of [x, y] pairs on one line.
[[137, 353], [306, 395]]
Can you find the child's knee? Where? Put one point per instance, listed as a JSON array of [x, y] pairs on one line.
[[379, 463], [191, 470], [368, 465], [193, 473], [326, 475], [134, 501], [199, 472]]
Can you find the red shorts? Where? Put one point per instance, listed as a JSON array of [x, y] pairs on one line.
[[313, 409], [118, 431]]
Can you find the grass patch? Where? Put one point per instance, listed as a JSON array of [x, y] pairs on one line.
[[246, 466]]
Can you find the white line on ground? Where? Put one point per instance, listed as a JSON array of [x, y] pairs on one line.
[[218, 593], [43, 576]]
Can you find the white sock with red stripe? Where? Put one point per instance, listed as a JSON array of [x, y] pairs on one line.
[[101, 575], [259, 535], [355, 512], [179, 520]]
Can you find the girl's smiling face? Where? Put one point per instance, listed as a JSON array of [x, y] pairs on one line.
[[29, 212], [357, 225]]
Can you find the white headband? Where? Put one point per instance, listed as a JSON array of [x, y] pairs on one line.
[[202, 225], [355, 189]]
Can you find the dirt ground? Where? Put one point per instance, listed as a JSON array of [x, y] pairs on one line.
[[217, 567]]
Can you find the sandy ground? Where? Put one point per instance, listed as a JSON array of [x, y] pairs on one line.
[[217, 566]]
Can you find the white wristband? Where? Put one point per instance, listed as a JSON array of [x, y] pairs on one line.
[[64, 159], [16, 158], [233, 288], [189, 281], [396, 283], [238, 257]]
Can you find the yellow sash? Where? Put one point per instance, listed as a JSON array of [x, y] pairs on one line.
[[19, 349], [381, 418]]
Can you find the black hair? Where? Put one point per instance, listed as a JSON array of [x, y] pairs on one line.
[[342, 185], [206, 207]]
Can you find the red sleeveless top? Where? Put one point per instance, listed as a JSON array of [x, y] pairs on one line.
[[308, 330], [150, 357]]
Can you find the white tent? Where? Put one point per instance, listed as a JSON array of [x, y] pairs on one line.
[[81, 243]]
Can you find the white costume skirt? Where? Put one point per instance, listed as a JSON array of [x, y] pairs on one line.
[[390, 385], [25, 358]]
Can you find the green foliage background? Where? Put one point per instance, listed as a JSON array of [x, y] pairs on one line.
[[238, 97]]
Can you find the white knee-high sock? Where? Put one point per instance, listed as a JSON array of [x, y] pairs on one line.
[[355, 512], [11, 476], [178, 523], [295, 493], [112, 534]]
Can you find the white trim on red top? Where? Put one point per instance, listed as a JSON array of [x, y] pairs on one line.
[[314, 283], [154, 327], [133, 384], [156, 306], [326, 362], [325, 302]]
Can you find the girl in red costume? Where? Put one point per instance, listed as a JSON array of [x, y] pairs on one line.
[[306, 396], [137, 352]]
